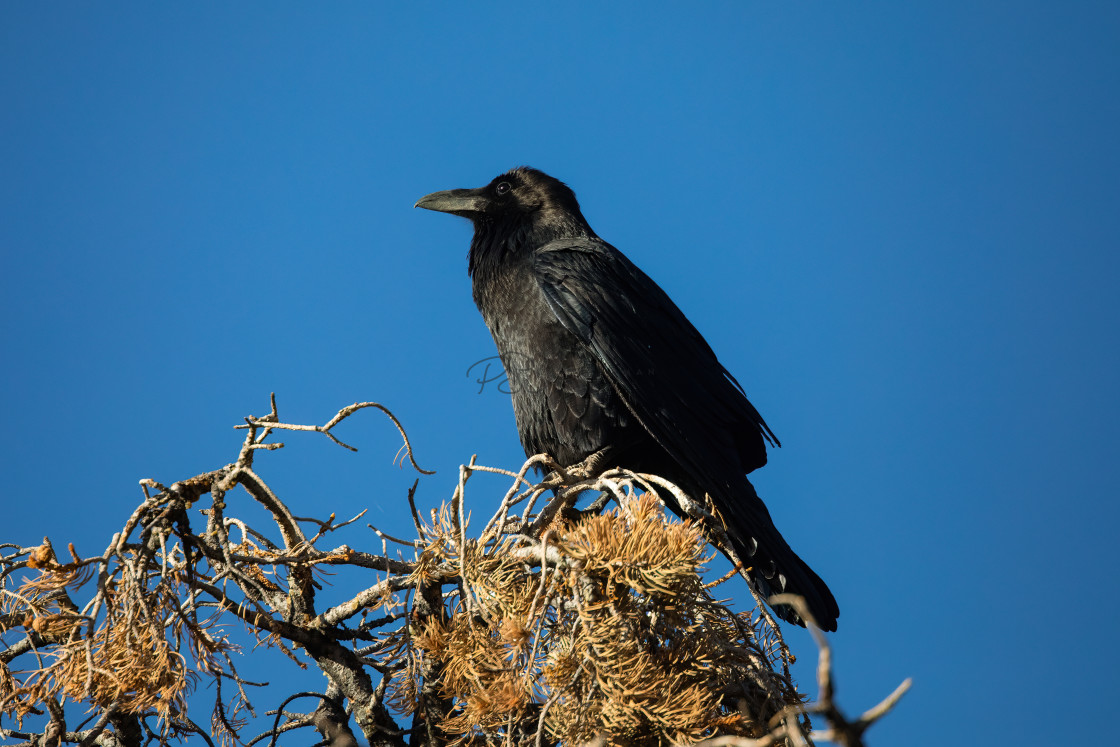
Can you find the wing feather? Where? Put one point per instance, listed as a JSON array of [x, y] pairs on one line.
[[660, 365]]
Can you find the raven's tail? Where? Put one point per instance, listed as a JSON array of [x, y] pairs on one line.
[[775, 567]]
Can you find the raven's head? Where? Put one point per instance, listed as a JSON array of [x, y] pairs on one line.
[[522, 193], [517, 212]]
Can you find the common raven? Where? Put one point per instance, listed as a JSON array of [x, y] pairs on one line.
[[603, 364]]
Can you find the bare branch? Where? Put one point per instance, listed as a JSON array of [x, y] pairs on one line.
[[338, 418], [549, 626]]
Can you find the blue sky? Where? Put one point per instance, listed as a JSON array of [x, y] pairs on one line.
[[896, 223]]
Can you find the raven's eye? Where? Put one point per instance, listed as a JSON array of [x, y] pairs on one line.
[[502, 188]]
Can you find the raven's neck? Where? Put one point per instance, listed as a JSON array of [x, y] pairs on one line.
[[499, 243]]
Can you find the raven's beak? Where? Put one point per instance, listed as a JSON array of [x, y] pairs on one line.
[[465, 202]]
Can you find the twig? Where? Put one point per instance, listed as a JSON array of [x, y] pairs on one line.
[[338, 418], [842, 730]]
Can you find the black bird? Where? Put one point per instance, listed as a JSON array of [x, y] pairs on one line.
[[604, 366]]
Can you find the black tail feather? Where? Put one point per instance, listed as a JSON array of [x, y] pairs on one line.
[[774, 568]]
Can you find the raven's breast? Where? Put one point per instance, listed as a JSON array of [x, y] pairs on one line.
[[564, 404]]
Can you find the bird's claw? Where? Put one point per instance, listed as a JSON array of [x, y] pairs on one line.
[[591, 467]]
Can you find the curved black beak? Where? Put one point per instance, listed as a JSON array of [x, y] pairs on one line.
[[464, 202]]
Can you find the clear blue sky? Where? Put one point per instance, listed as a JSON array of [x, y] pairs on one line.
[[896, 223]]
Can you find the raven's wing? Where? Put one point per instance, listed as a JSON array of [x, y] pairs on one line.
[[669, 378], [660, 365]]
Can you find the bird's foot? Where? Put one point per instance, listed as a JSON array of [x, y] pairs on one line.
[[592, 466]]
